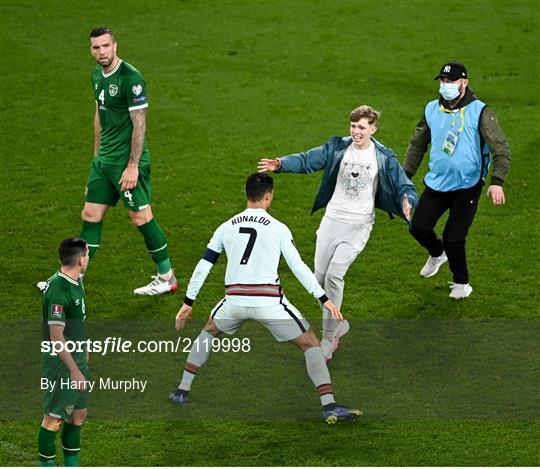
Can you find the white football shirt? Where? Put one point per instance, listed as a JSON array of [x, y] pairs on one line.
[[254, 242]]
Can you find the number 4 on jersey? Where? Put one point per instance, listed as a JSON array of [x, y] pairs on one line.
[[252, 232]]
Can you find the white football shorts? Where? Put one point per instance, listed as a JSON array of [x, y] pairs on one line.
[[283, 320]]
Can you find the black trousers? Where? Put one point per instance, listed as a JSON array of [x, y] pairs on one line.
[[462, 205]]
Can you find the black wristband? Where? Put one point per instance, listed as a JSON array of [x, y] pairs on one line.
[[188, 301], [323, 299]]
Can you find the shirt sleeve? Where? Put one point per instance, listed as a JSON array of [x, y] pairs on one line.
[[204, 266], [56, 310], [300, 270], [498, 145], [216, 243], [309, 161], [417, 148], [136, 94]]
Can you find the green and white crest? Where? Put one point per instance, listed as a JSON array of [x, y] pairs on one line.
[[113, 89]]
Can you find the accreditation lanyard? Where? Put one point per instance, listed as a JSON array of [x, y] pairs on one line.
[[452, 137]]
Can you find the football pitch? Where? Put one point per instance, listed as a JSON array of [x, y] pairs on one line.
[[440, 382]]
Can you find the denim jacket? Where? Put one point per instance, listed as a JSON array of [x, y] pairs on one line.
[[393, 183]]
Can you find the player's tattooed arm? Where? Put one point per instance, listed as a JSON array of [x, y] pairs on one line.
[[131, 174], [97, 131], [138, 119]]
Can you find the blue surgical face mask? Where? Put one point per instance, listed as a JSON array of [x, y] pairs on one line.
[[449, 91]]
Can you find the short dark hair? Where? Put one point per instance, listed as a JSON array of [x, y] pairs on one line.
[[258, 185], [96, 32], [70, 250]]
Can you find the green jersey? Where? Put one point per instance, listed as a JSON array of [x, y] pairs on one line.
[[117, 93], [63, 304]]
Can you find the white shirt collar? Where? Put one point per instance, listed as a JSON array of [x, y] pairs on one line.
[[69, 279]]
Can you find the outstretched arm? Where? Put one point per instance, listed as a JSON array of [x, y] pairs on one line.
[[196, 282], [203, 268], [305, 162], [199, 275], [265, 165]]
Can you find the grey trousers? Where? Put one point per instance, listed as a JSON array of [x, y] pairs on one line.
[[338, 245]]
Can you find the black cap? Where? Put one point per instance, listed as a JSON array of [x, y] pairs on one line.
[[453, 71]]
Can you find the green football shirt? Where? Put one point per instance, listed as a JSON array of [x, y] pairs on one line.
[[64, 304], [117, 93]]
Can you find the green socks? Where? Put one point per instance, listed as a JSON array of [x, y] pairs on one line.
[[154, 238], [156, 243], [46, 447], [91, 233], [71, 443]]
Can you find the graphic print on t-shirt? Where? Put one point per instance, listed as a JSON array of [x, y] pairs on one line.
[[355, 178]]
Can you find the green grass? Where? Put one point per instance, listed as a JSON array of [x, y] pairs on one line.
[[240, 443], [231, 82]]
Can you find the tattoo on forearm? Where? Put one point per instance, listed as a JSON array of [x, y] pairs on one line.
[[97, 131], [138, 118]]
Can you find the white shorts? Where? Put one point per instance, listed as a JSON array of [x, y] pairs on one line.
[[283, 320]]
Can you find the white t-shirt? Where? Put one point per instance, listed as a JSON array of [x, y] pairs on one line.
[[353, 200], [254, 242]]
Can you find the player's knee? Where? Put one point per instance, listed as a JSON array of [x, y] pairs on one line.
[[136, 218], [78, 417], [211, 328], [141, 217], [307, 340], [90, 215], [50, 423], [312, 339]]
